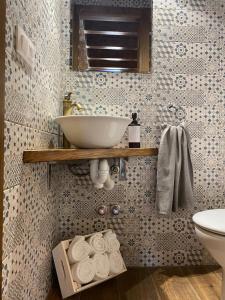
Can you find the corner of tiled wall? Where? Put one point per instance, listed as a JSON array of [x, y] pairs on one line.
[[33, 99]]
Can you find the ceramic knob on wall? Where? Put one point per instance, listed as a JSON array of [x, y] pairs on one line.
[[115, 210], [102, 210]]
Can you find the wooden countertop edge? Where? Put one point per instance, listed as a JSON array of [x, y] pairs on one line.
[[47, 155]]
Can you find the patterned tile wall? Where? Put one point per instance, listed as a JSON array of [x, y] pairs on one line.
[[188, 63], [32, 101]]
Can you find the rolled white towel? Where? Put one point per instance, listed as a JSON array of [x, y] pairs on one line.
[[78, 250], [97, 242], [84, 271], [101, 265], [116, 263], [112, 242]]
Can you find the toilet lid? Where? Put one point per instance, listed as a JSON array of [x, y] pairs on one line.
[[211, 220]]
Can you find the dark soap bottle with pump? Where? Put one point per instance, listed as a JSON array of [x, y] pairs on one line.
[[134, 133]]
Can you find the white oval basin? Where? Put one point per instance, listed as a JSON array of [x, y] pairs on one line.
[[93, 131]]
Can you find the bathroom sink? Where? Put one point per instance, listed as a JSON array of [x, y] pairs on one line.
[[93, 131]]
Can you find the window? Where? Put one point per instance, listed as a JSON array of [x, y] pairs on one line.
[[113, 39]]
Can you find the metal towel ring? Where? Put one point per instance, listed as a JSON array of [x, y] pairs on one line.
[[179, 111]]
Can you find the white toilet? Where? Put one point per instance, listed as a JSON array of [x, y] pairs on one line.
[[210, 229]]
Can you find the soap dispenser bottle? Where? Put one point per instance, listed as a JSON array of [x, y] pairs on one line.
[[134, 133]]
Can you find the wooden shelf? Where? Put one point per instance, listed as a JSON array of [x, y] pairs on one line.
[[47, 155]]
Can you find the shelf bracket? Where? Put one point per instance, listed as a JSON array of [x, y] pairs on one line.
[[49, 175]]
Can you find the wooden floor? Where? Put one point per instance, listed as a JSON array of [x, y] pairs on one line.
[[177, 283]]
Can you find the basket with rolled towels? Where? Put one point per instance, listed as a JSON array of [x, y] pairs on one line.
[[87, 260]]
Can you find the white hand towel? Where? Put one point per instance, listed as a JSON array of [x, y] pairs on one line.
[[112, 242], [97, 242], [84, 271], [116, 263], [101, 265], [78, 250]]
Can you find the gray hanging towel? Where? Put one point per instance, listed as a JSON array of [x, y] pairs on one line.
[[174, 171]]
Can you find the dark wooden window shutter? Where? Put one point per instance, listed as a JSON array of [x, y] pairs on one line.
[[111, 39]]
